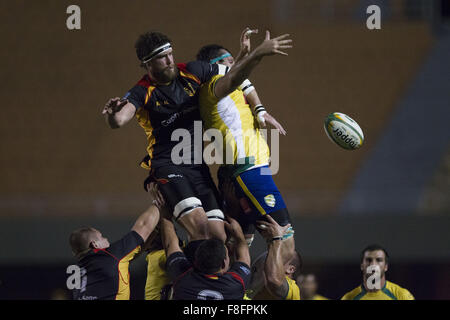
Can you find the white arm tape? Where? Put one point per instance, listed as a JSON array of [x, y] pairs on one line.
[[186, 206], [246, 87]]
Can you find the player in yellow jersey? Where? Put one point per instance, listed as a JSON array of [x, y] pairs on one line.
[[373, 287], [271, 278], [245, 151], [308, 286]]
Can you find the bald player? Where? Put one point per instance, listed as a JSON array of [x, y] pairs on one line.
[[104, 265]]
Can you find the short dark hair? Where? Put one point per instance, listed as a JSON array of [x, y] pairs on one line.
[[210, 51], [374, 247], [79, 239], [210, 255], [148, 42]]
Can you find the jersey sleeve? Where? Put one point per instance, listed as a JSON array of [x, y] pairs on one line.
[[242, 270], [202, 70], [177, 264], [129, 243], [136, 96], [404, 294]]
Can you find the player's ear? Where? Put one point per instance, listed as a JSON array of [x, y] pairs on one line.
[[93, 244]]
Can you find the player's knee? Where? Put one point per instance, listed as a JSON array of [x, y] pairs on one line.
[[186, 207]]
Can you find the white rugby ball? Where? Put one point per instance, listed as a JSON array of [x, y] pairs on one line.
[[344, 131]]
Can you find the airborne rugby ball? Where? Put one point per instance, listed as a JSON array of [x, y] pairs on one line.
[[344, 131]]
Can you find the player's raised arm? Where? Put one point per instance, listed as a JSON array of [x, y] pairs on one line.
[[118, 112], [241, 247], [169, 237], [147, 222], [261, 114], [245, 43], [242, 70], [274, 266]]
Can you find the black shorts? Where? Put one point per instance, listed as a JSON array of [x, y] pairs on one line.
[[178, 183]]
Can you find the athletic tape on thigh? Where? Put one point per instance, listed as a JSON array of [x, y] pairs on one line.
[[215, 214], [186, 206]]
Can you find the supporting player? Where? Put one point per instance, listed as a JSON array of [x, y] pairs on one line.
[[211, 276], [374, 258], [271, 277], [308, 287], [104, 266]]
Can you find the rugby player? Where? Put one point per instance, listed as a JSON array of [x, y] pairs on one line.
[[166, 99], [271, 278], [376, 255], [211, 276], [104, 266], [308, 287], [249, 168]]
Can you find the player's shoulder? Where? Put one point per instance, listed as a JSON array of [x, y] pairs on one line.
[[399, 292], [352, 294]]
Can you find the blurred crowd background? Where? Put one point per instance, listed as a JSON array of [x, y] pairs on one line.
[[62, 167]]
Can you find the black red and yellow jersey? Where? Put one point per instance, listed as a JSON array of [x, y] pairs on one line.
[[191, 284], [104, 272], [161, 109]]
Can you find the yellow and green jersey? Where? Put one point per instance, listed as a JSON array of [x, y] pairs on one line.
[[234, 119], [390, 291]]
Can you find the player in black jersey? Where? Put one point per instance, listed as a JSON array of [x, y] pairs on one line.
[[104, 266], [166, 99], [210, 276]]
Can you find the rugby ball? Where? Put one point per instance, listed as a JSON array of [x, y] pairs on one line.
[[343, 131]]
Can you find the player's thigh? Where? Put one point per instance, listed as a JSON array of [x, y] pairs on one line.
[[263, 196]]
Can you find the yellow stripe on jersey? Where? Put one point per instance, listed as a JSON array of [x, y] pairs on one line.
[[390, 291], [143, 119], [233, 117], [250, 196], [123, 293], [157, 277]]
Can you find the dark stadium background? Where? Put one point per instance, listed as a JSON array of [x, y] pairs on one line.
[[61, 167]]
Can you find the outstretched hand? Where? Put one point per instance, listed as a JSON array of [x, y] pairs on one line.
[[266, 117], [274, 46], [114, 105]]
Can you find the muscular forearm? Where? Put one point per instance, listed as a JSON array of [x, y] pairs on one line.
[[242, 252], [147, 222], [169, 237], [273, 267]]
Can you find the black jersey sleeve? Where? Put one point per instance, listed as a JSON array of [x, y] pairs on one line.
[[126, 245], [136, 96], [177, 264], [202, 70], [241, 271]]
